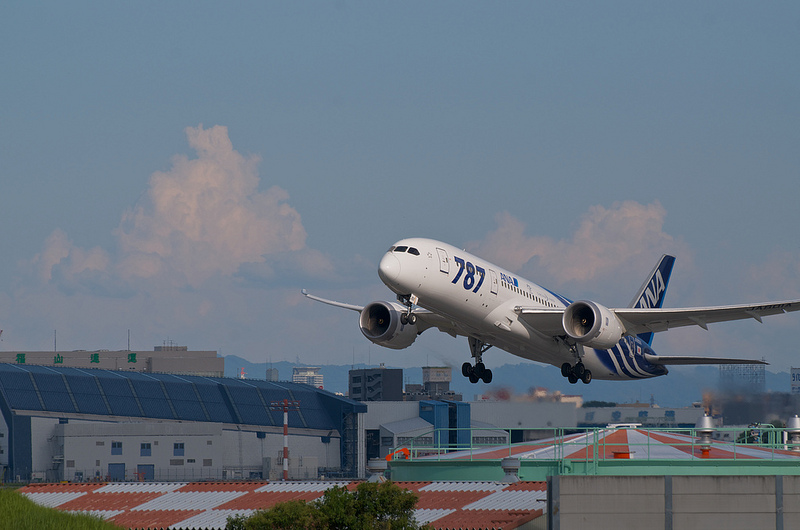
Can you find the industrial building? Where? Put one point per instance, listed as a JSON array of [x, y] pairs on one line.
[[430, 426], [89, 424], [376, 384], [168, 359], [308, 375], [435, 385]]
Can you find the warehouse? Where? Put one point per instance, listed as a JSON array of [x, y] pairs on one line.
[[90, 424]]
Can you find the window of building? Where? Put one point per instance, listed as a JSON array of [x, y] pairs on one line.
[[207, 462], [176, 461], [116, 448], [177, 449], [146, 449]]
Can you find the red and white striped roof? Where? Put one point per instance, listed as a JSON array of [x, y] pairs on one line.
[[209, 504]]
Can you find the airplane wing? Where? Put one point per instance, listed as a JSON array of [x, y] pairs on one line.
[[643, 320], [352, 307], [425, 319]]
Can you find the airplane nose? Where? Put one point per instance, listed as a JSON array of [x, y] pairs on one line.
[[389, 268]]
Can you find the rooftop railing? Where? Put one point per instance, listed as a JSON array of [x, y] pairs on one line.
[[591, 445]]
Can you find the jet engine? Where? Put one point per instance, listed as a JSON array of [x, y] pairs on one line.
[[592, 325], [380, 323]]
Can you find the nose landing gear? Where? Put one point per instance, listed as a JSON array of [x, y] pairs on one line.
[[575, 373], [409, 301]]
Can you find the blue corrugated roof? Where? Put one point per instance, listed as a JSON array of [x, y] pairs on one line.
[[178, 397]]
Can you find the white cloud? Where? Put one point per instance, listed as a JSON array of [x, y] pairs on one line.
[[608, 241], [60, 253], [206, 257], [206, 215]]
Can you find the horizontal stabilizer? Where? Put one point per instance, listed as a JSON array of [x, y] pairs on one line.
[[686, 360]]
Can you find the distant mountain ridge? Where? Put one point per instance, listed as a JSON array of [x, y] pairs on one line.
[[682, 387]]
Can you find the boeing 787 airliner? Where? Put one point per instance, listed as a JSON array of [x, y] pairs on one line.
[[440, 286]]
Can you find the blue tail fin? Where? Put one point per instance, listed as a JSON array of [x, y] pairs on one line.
[[653, 290]]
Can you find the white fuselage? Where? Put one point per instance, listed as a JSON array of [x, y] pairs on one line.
[[480, 298]]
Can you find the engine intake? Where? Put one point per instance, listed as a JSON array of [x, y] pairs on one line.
[[380, 323], [592, 325]]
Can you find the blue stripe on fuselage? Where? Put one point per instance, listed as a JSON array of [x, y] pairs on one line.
[[633, 367]]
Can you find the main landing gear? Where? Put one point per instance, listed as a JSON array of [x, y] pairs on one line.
[[574, 373], [479, 371]]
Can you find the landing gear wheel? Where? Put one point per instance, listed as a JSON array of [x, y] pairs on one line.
[[411, 318], [586, 377], [579, 370], [566, 369], [404, 319], [572, 378], [487, 376], [466, 369], [473, 378], [479, 369]]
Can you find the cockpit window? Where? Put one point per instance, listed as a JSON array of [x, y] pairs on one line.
[[412, 250], [400, 249]]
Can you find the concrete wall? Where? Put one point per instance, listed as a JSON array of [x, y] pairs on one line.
[[245, 451], [87, 449], [45, 448], [210, 450], [380, 412], [730, 502]]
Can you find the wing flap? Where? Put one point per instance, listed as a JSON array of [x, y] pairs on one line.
[[545, 321]]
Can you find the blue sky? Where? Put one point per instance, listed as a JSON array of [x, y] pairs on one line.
[[183, 169]]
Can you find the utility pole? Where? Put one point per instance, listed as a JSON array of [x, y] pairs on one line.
[[285, 405]]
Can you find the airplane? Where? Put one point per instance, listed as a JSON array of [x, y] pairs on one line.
[[441, 286]]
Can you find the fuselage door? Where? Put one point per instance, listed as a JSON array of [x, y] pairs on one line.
[[444, 261], [493, 279]]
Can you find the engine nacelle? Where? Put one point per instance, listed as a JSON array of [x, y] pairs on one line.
[[380, 323], [592, 325]]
